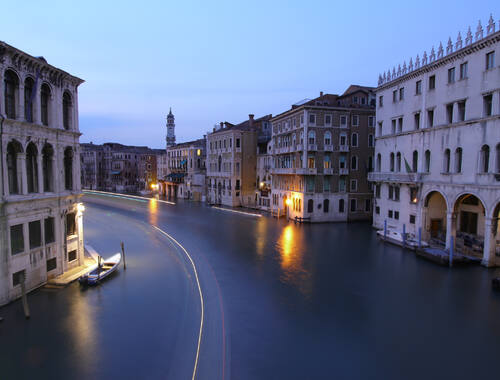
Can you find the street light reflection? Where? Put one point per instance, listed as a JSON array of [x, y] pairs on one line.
[[153, 211]]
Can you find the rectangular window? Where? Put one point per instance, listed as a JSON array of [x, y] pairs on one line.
[[368, 205], [449, 113], [237, 143], [326, 185], [417, 120], [412, 219], [400, 124], [354, 139], [432, 82], [389, 214], [430, 118], [380, 101], [70, 224], [343, 121], [311, 162], [312, 119], [451, 75], [396, 193], [380, 128], [391, 192], [377, 191], [310, 184], [413, 195], [377, 210], [16, 239], [353, 205], [463, 70], [51, 264], [418, 87], [401, 93], [371, 121], [396, 215], [18, 277], [341, 185], [461, 110], [72, 255], [35, 233], [328, 119], [355, 120], [490, 60], [393, 125], [394, 96], [488, 104], [354, 185], [355, 99]]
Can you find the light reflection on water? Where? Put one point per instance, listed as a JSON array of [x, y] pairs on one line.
[[153, 211], [291, 249]]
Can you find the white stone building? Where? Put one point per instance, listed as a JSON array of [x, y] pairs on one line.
[[41, 231], [437, 159]]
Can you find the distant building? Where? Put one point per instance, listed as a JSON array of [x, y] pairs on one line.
[[323, 150], [437, 166], [186, 170], [264, 167], [117, 167], [41, 226], [161, 164], [232, 162]]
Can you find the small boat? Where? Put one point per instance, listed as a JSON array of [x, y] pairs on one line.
[[102, 271], [395, 237]]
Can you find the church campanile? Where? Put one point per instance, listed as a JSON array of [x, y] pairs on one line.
[[170, 129]]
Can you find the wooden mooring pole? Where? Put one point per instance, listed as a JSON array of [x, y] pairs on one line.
[[123, 254], [24, 298]]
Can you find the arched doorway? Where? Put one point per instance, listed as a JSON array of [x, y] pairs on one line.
[[469, 227], [434, 218]]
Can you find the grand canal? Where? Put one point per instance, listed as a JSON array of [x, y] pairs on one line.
[[280, 301]]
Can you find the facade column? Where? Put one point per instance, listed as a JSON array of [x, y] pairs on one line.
[[2, 92], [495, 98], [5, 171], [39, 159], [489, 243], [422, 223], [451, 219], [21, 172], [20, 99], [77, 186], [36, 106]]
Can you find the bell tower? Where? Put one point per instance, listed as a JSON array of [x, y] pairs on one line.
[[170, 129]]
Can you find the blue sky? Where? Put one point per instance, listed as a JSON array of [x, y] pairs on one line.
[[221, 60]]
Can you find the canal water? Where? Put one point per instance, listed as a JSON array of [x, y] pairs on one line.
[[324, 301]]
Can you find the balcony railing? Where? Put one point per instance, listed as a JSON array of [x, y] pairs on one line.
[[307, 171], [394, 177], [343, 148], [328, 148], [328, 171], [312, 147], [343, 171]]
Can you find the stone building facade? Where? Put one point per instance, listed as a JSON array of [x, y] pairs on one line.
[[323, 149], [232, 161], [41, 230], [186, 170], [437, 166]]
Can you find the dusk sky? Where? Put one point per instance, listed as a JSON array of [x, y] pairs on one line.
[[221, 60]]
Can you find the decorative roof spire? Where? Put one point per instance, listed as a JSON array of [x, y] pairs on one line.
[[410, 65], [440, 50], [491, 25], [417, 62], [424, 59], [468, 38], [479, 31], [432, 56], [458, 44], [449, 47]]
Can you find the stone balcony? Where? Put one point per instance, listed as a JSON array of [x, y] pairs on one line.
[[394, 177], [343, 148], [328, 148], [328, 171], [312, 147], [291, 171], [307, 171], [343, 171]]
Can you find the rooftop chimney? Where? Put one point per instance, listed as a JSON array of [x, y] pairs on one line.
[[221, 125], [321, 93], [250, 119]]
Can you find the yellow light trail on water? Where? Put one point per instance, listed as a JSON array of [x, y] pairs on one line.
[[237, 212], [119, 195], [199, 291]]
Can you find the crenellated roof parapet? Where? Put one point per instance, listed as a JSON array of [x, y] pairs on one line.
[[441, 55]]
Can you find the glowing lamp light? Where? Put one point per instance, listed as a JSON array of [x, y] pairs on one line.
[[262, 184], [154, 186], [288, 202], [80, 207]]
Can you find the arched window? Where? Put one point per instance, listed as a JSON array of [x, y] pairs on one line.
[[68, 168], [398, 162], [67, 105], [354, 163], [32, 168], [379, 162], [326, 205], [312, 137], [341, 205], [354, 139], [294, 139], [11, 86], [44, 103], [458, 160], [415, 161], [310, 205], [391, 162], [446, 162], [370, 163], [13, 149], [47, 160], [427, 161], [328, 138], [29, 98], [370, 140], [485, 159]]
